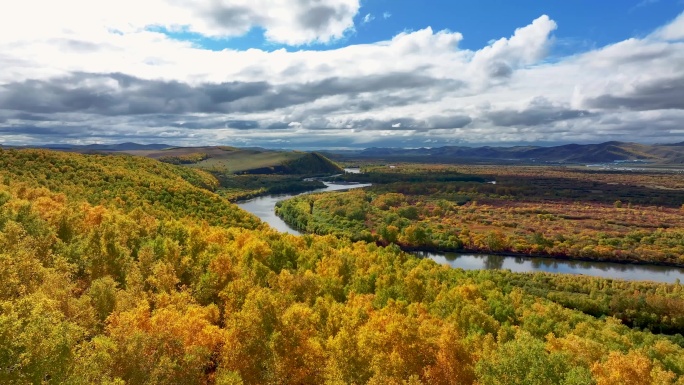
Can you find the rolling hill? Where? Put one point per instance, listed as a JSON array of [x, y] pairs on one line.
[[125, 182], [234, 160], [222, 159]]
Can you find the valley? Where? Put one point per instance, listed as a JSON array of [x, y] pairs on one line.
[[117, 268]]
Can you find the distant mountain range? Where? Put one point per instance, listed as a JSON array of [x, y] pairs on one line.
[[569, 153]]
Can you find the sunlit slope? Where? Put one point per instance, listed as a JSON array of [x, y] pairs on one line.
[[245, 160], [126, 182]]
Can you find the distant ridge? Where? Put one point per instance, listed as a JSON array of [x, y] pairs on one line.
[[569, 153], [614, 151], [226, 159]]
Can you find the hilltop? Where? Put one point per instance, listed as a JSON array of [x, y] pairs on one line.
[[248, 172], [235, 160]]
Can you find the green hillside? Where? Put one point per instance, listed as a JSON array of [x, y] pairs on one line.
[[235, 160], [244, 173], [311, 163]]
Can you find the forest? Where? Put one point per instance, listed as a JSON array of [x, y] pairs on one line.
[[117, 269]]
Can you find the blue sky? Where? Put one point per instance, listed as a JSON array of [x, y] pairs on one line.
[[596, 22], [341, 73], [584, 24]]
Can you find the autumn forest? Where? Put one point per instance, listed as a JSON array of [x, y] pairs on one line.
[[122, 269]]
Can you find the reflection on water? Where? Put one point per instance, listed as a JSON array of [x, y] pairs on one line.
[[495, 262], [532, 264]]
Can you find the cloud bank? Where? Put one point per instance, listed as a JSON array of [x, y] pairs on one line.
[[111, 73]]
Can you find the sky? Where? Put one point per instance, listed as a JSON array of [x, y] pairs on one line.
[[316, 74]]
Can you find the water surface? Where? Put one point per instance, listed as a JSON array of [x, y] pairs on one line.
[[264, 206], [562, 266]]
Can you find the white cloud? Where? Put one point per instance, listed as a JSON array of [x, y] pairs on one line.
[[386, 15], [368, 18], [419, 84], [289, 22], [527, 46], [672, 31]]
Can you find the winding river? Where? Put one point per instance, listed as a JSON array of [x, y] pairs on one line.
[[264, 208]]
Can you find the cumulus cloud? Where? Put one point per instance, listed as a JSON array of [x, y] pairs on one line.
[[656, 94], [540, 111], [120, 94], [638, 75], [672, 31], [290, 22], [110, 77], [527, 46]]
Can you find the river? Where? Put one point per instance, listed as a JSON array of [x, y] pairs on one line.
[[264, 208], [533, 264]]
